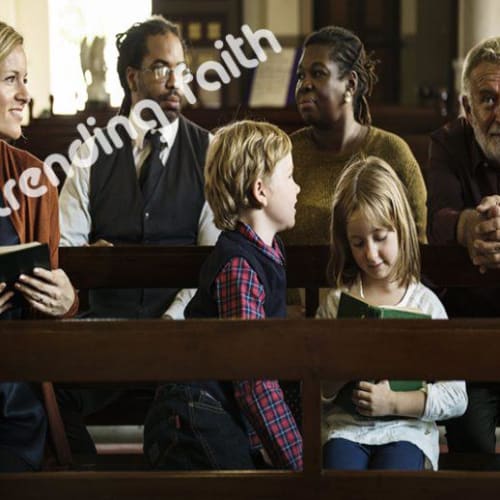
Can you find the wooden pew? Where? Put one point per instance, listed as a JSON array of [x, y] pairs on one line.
[[299, 349], [117, 351], [45, 136], [153, 266]]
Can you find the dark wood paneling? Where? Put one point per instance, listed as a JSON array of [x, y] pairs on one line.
[[376, 22], [150, 266], [226, 12]]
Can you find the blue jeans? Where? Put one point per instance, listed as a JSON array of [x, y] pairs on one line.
[[188, 429], [23, 427], [342, 454]]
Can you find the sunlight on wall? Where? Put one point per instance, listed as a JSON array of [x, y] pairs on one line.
[[69, 22]]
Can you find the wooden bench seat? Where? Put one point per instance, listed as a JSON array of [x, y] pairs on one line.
[[309, 350], [91, 351]]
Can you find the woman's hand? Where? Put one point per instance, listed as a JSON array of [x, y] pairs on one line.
[[4, 298], [374, 400], [49, 292]]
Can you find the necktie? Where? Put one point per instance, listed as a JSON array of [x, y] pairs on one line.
[[152, 168]]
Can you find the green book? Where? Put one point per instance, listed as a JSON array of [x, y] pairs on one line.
[[355, 307]]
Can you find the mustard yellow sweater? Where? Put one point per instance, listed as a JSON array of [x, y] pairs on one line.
[[317, 172]]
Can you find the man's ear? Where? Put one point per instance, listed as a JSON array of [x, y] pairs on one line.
[[132, 78], [259, 192], [466, 106]]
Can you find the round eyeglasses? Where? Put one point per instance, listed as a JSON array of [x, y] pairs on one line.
[[161, 72]]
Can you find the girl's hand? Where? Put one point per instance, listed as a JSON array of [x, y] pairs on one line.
[[49, 292], [4, 298], [374, 400]]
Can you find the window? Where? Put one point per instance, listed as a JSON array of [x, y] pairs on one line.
[[70, 21]]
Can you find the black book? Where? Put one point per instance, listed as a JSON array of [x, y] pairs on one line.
[[21, 259]]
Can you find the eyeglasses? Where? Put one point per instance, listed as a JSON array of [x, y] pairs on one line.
[[161, 72]]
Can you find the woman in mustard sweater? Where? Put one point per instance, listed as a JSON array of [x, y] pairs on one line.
[[335, 78]]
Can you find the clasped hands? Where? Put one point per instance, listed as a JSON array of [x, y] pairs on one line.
[[49, 292], [483, 234]]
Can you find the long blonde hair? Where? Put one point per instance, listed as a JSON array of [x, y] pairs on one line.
[[9, 38], [239, 154], [371, 186]]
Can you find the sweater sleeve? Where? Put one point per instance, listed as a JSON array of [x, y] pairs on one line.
[[445, 202]]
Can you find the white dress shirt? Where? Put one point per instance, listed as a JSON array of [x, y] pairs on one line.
[[74, 215]]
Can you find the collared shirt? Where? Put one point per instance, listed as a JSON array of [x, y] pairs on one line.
[[240, 294], [458, 176], [142, 148], [74, 203]]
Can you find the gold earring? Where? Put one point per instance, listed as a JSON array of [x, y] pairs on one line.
[[348, 96]]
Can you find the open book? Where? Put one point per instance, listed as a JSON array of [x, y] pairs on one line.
[[355, 307], [21, 259]]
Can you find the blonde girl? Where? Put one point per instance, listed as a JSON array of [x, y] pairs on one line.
[[375, 255]]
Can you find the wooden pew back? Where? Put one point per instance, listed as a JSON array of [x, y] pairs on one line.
[[117, 351], [309, 350]]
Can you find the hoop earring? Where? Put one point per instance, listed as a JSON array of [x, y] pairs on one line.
[[348, 96]]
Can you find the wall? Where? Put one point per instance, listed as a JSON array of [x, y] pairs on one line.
[[270, 14], [30, 18]]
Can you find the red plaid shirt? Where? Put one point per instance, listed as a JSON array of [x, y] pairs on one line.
[[240, 294]]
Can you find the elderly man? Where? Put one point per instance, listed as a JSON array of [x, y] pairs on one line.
[[463, 183]]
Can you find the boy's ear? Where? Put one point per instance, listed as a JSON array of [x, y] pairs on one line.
[[259, 192]]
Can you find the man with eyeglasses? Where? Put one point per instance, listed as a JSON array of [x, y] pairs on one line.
[[148, 191]]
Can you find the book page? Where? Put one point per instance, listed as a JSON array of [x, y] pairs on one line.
[[15, 248]]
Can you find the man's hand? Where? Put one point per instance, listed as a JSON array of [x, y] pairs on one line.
[[479, 231], [100, 243], [487, 234]]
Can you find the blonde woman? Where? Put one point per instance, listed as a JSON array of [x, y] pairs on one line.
[[47, 293]]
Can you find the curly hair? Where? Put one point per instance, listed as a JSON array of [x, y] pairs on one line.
[[239, 154], [132, 48], [348, 52]]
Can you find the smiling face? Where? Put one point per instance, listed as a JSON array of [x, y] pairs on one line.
[[374, 248], [14, 95], [483, 108], [162, 50], [320, 91]]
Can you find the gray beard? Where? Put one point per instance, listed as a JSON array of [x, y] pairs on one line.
[[489, 147]]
